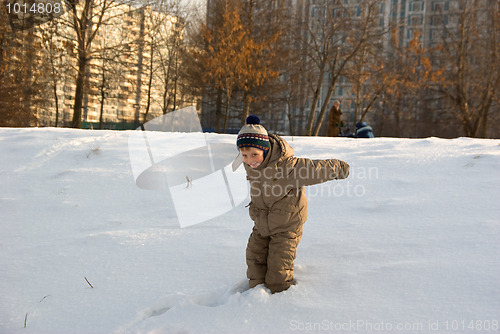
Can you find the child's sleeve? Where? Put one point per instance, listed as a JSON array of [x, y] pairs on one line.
[[307, 172]]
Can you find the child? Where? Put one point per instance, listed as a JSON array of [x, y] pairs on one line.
[[278, 204]]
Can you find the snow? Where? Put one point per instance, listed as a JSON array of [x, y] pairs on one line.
[[408, 243]]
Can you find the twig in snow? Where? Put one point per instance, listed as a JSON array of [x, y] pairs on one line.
[[44, 298], [25, 319], [88, 282], [93, 150]]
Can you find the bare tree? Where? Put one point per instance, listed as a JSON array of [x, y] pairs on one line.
[[238, 53], [167, 59], [336, 33], [85, 18], [109, 69], [467, 62], [56, 58], [368, 76], [164, 42], [263, 23], [401, 82], [222, 56]]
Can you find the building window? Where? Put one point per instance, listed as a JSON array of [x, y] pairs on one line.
[[416, 6], [416, 20], [382, 8], [438, 6], [439, 20], [358, 11], [433, 35], [318, 12]]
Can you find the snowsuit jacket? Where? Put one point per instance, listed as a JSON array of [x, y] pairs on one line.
[[279, 209], [278, 199]]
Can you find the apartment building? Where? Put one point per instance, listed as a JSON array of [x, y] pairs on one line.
[[133, 45]]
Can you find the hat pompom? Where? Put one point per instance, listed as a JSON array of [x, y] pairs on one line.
[[253, 135], [252, 119]]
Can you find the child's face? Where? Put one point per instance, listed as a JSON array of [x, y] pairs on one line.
[[252, 156]]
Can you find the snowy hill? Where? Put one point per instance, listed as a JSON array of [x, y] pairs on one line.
[[408, 243]]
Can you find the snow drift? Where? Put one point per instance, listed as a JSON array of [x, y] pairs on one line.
[[408, 243]]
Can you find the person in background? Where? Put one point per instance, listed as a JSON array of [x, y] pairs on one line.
[[363, 130], [334, 120]]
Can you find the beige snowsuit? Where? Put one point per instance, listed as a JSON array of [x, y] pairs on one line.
[[278, 208]]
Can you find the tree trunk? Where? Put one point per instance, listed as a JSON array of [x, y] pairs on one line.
[[218, 110], [103, 94], [56, 100], [483, 123], [312, 113], [140, 58], [324, 107], [80, 80], [226, 116], [246, 107], [150, 83], [289, 116]]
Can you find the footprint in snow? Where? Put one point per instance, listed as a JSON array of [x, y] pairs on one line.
[[218, 297], [161, 306], [209, 299]]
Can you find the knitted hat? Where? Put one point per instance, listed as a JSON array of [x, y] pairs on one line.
[[253, 135]]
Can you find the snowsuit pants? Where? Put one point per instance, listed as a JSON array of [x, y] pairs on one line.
[[270, 259]]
